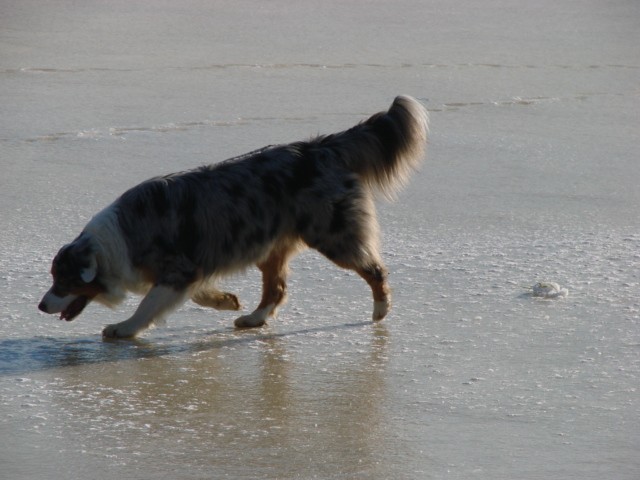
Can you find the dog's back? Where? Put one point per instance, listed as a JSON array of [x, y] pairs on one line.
[[223, 216]]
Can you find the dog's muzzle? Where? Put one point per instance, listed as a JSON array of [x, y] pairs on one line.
[[68, 306]]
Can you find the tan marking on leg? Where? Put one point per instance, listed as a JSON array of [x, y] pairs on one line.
[[216, 299], [274, 284], [376, 277], [274, 280]]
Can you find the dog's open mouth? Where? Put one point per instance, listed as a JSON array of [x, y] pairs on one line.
[[74, 308]]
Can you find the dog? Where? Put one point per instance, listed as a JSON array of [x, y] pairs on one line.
[[172, 237]]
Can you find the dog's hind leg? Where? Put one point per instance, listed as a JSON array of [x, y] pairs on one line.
[[213, 298], [350, 240], [160, 301], [375, 274], [274, 286]]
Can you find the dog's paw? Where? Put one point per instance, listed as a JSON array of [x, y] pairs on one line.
[[257, 318], [253, 320], [380, 309], [217, 300], [118, 330], [228, 301]]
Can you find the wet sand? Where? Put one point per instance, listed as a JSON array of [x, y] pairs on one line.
[[531, 176]]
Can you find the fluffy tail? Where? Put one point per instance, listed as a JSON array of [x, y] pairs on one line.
[[385, 149]]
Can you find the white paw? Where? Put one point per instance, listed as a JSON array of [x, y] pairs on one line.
[[119, 330], [257, 318], [380, 309]]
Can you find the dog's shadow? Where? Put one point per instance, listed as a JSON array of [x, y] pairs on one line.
[[35, 354]]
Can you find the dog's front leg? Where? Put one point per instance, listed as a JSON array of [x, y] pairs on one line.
[[158, 302]]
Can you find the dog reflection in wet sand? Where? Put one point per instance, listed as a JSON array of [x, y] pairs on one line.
[[172, 237]]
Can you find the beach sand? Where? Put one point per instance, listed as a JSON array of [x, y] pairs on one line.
[[531, 176]]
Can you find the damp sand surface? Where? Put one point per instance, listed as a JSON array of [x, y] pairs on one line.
[[531, 177]]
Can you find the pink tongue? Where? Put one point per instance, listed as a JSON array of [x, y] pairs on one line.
[[74, 309]]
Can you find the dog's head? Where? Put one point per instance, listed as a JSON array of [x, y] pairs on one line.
[[75, 279]]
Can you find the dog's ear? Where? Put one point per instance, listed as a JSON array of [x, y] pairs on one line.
[[89, 273]]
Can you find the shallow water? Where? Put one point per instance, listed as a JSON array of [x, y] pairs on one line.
[[531, 176]]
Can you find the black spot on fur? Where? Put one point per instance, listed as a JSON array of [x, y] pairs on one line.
[[258, 236], [177, 273], [275, 225], [330, 253], [236, 190], [235, 227], [255, 208], [303, 172], [319, 195], [162, 244], [187, 204], [272, 185], [226, 243], [349, 184], [187, 236], [340, 216], [302, 222]]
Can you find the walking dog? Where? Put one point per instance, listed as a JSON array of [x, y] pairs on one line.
[[172, 237]]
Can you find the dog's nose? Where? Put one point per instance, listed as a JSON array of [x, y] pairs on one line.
[[42, 307]]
